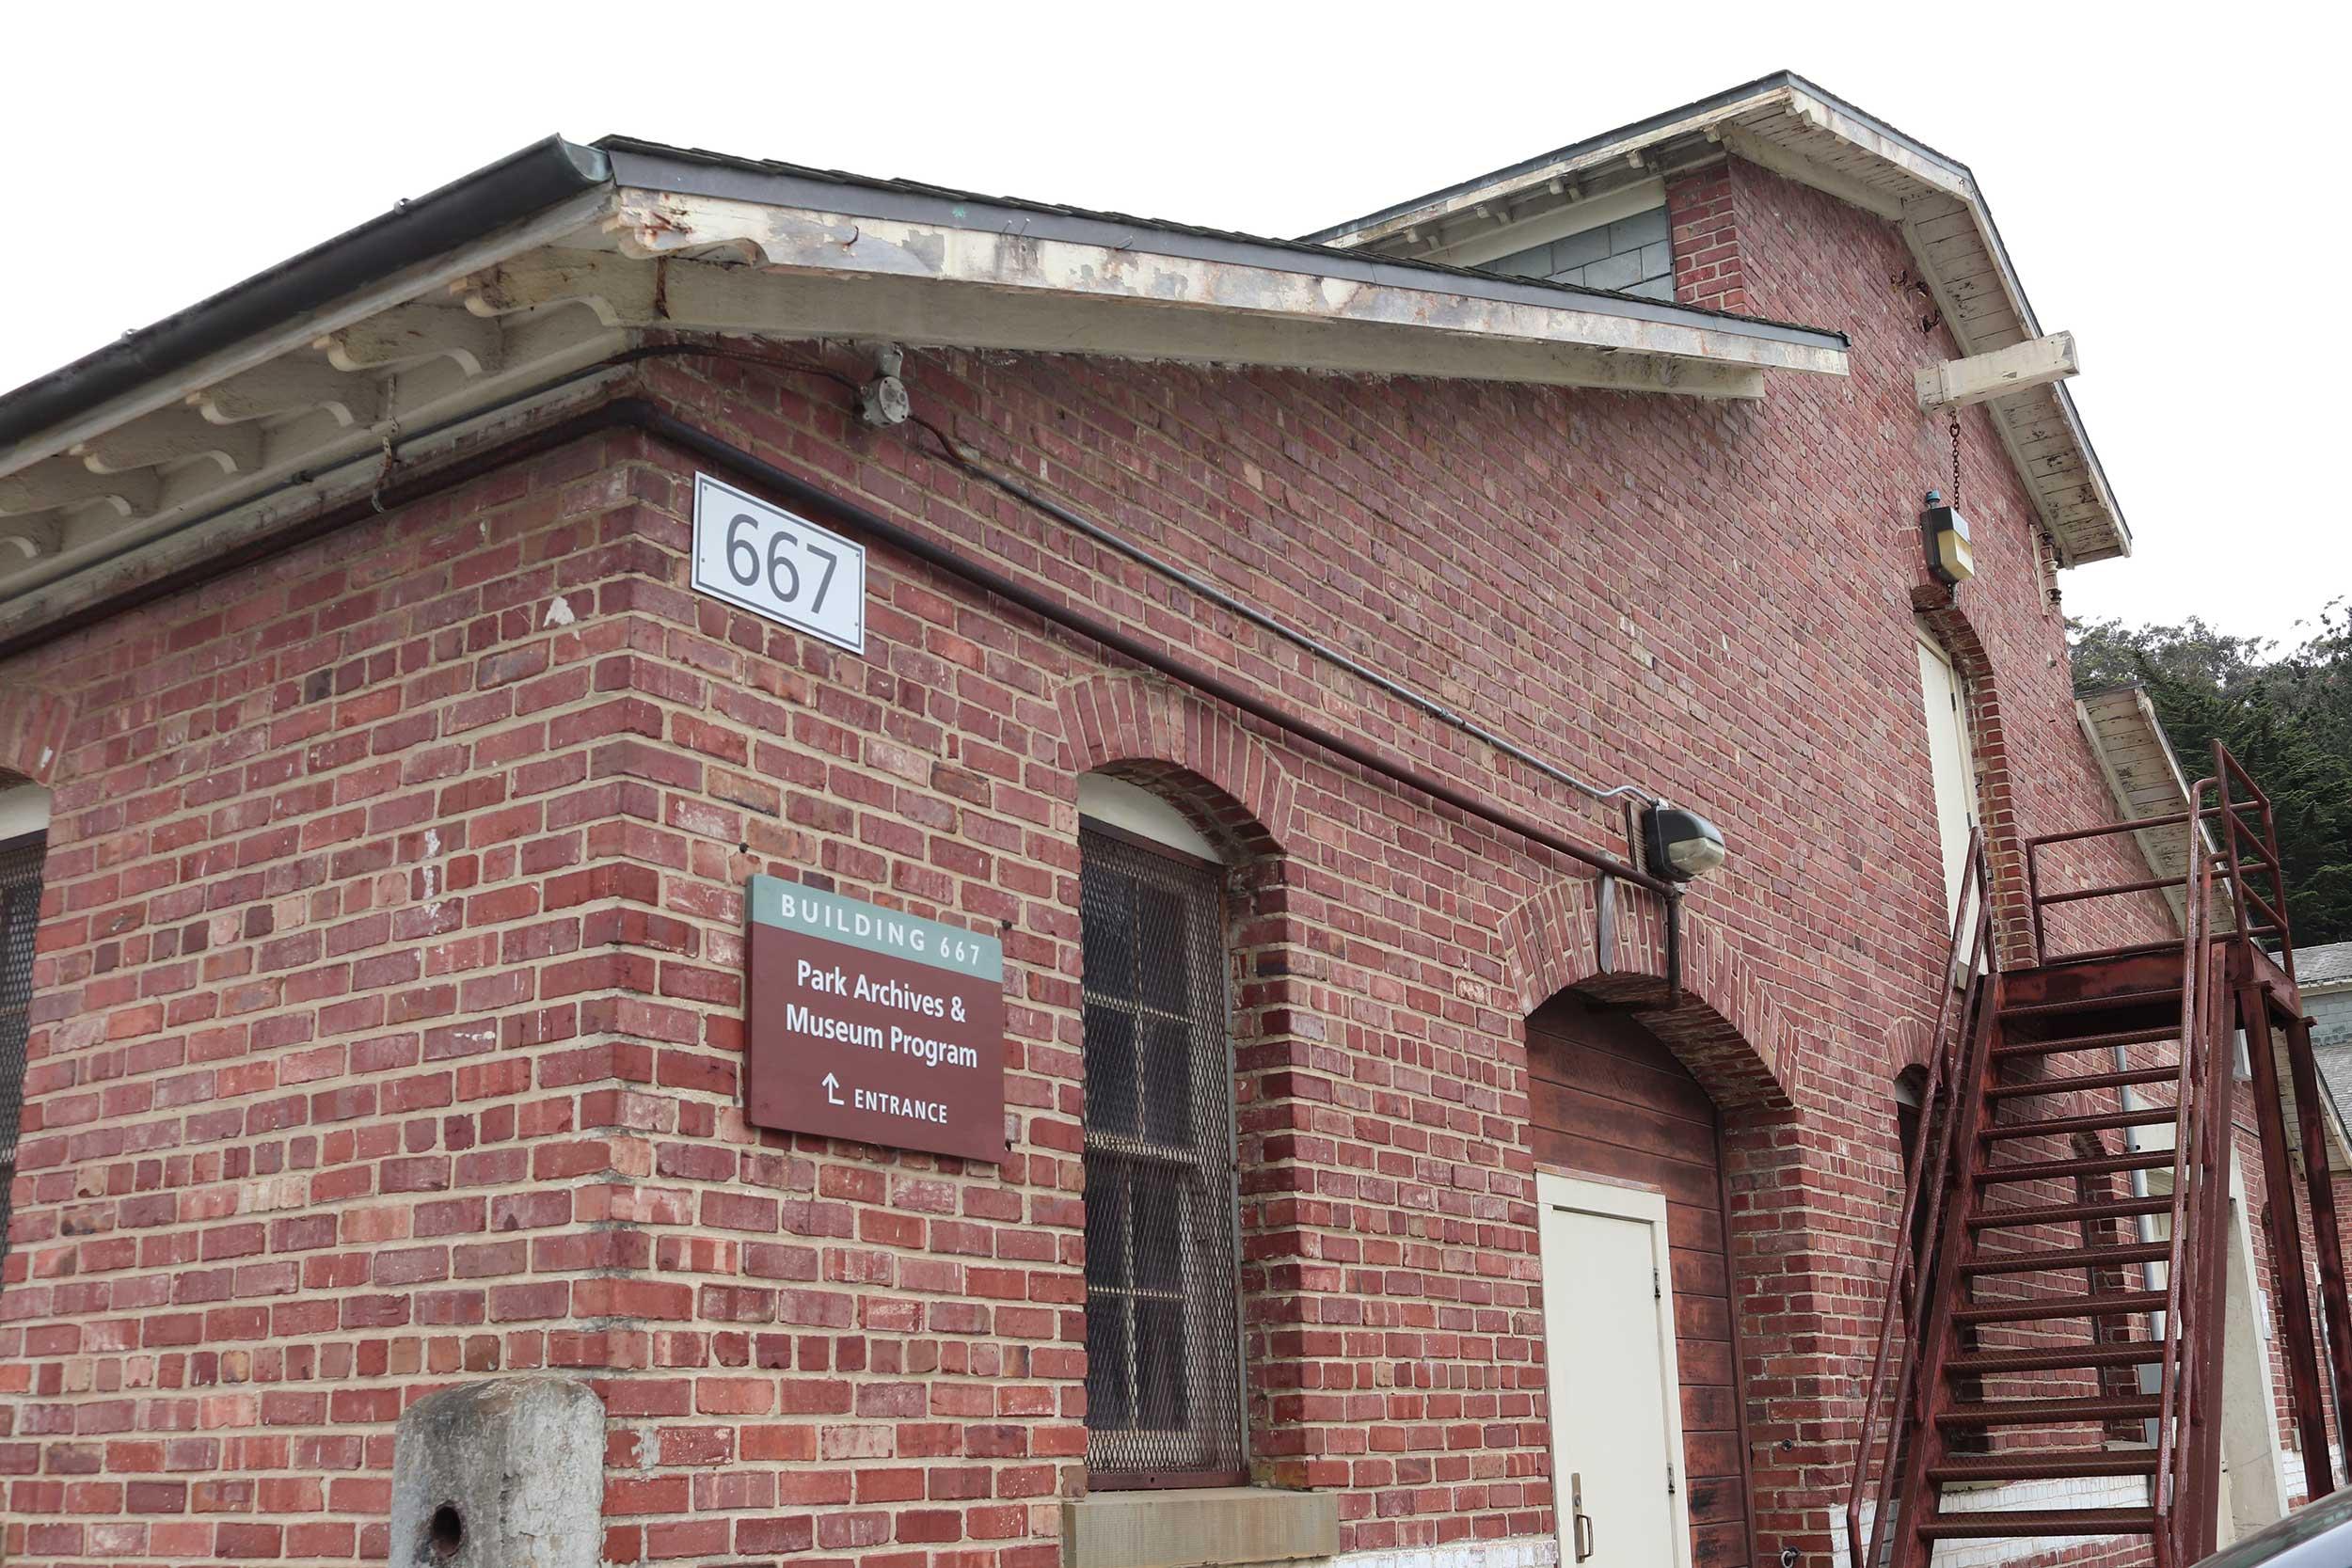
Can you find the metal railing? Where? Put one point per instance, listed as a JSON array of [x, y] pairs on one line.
[[1953, 1064], [2195, 1165], [2248, 911], [2235, 833]]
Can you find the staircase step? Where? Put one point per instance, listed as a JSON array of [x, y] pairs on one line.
[[2092, 1004], [2047, 1464], [2070, 1213], [2015, 1049], [2040, 1521], [2097, 1408], [2036, 1260], [2096, 1164], [2134, 1353], [2145, 1116], [2112, 1303], [2085, 1081]]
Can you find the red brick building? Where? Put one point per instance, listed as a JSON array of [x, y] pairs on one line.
[[1238, 619]]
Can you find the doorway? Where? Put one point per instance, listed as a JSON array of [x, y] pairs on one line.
[[1616, 1416], [1631, 1203]]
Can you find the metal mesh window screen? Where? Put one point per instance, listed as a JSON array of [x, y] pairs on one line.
[[1163, 1328], [20, 914]]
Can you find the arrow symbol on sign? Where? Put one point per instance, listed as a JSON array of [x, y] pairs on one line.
[[833, 1088]]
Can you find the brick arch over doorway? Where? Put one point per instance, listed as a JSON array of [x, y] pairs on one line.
[[1731, 1035], [1734, 1043]]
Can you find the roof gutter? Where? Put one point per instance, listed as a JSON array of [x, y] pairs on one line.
[[517, 187]]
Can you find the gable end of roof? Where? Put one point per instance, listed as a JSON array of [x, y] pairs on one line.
[[1787, 124]]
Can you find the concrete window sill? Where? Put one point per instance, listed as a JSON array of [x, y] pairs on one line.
[[1196, 1527]]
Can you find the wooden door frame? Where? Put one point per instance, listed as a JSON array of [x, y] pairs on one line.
[[1644, 1205]]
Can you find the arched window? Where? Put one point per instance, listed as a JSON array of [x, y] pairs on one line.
[[24, 839], [1951, 760], [1164, 1397]]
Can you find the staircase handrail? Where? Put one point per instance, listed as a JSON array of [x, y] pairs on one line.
[[1930, 1159], [2176, 1386]]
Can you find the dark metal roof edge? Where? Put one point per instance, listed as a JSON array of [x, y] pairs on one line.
[[650, 166], [1639, 128], [516, 186]]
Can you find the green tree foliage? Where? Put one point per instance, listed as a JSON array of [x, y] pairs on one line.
[[2287, 716]]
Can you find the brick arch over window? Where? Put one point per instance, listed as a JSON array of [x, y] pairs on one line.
[[1171, 741], [1729, 1033], [1229, 783], [32, 734], [1997, 803], [1908, 1043]]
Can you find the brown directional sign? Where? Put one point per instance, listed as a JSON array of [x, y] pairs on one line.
[[870, 1025]]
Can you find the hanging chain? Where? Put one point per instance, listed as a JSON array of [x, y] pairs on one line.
[[1955, 500]]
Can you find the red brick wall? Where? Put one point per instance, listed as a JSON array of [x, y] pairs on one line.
[[1711, 266], [388, 1025]]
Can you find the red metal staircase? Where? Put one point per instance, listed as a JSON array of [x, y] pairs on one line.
[[2049, 1354]]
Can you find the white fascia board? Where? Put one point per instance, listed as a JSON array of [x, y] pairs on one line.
[[1857, 133], [1554, 223], [1279, 285], [1611, 155]]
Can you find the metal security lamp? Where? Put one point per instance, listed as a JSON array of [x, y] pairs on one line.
[[1944, 532], [1681, 844]]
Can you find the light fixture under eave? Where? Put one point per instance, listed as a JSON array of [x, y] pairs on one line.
[[1944, 533], [1681, 844]]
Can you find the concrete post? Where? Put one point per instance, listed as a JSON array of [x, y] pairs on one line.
[[507, 1473]]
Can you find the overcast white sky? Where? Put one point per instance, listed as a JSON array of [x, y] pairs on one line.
[[2173, 199]]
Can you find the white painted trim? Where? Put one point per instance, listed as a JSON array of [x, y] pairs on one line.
[[1644, 1206], [585, 210], [1585, 1195], [23, 810], [971, 269], [1613, 154], [1971, 764], [1553, 223], [1136, 810]]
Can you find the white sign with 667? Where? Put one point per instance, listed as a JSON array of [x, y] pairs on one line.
[[779, 564]]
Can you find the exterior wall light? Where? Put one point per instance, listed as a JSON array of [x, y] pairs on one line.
[[1681, 844], [1944, 532]]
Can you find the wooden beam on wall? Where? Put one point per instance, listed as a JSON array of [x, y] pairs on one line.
[[2035, 362]]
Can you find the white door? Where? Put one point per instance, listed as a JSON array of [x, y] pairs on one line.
[[1609, 1348], [1953, 761]]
